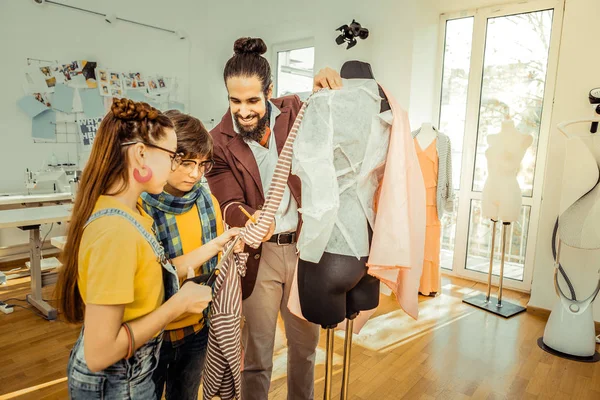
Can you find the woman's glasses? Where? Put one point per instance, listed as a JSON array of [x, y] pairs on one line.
[[176, 158]]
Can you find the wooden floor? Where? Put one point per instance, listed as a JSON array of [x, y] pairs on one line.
[[454, 351]]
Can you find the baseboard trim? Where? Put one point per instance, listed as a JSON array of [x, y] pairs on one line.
[[545, 313]]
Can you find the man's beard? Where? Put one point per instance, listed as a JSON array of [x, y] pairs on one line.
[[255, 133]]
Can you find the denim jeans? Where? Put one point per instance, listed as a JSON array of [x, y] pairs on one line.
[[180, 367], [124, 380]]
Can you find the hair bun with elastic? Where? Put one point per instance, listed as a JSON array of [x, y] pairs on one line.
[[250, 46], [129, 110]]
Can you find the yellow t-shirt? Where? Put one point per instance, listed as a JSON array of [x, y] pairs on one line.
[[117, 265], [190, 233]]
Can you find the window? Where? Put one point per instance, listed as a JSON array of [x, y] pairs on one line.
[[453, 112], [295, 69], [497, 63]]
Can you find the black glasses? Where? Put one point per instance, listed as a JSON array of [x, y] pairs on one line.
[[175, 157], [204, 167]]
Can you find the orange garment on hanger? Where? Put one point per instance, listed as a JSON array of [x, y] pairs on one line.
[[431, 280]]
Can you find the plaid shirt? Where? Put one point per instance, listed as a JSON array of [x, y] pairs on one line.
[[177, 336]]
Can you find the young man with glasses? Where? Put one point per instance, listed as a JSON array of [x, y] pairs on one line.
[[188, 223]]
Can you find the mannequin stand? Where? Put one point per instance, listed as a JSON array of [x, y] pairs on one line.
[[328, 363], [485, 302], [347, 356]]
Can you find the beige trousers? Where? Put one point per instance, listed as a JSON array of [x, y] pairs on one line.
[[269, 298]]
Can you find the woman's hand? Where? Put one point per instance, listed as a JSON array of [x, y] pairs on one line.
[[222, 240], [194, 298]]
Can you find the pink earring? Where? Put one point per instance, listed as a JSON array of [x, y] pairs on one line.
[[142, 178]]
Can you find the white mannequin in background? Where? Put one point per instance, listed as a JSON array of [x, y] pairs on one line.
[[501, 199], [427, 135]]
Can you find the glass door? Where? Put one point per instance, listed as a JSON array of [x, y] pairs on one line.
[[504, 70]]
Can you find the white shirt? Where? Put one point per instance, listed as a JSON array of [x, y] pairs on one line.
[[286, 217], [339, 155]]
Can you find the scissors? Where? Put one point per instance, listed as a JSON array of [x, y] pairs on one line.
[[209, 279]]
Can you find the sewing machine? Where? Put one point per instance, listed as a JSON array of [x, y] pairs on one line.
[[53, 179]]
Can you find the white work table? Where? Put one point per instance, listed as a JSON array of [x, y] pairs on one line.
[[30, 219], [34, 216], [13, 199]]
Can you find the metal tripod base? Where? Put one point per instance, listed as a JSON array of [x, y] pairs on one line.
[[329, 360], [347, 355], [328, 364], [499, 307], [507, 309]]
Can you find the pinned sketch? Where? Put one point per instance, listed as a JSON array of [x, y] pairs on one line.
[[43, 126], [62, 72], [88, 128], [129, 83], [152, 85], [63, 98], [88, 71], [39, 79], [110, 83], [92, 103], [32, 106], [43, 98], [116, 84], [157, 85], [102, 75], [104, 90], [47, 76], [77, 103], [162, 85], [77, 74], [134, 81], [140, 80]]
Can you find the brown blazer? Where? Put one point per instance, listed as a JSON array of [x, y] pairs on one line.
[[235, 178]]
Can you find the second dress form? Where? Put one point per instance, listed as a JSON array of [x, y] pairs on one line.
[[431, 279]]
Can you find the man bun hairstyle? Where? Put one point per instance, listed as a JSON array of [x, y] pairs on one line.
[[248, 62]]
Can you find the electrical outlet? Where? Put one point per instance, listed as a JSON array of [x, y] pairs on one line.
[[6, 309]]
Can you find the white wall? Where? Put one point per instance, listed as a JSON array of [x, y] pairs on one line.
[[424, 64], [578, 73]]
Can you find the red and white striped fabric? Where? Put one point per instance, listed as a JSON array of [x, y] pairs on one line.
[[222, 375], [222, 371]]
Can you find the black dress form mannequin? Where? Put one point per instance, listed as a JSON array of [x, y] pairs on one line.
[[338, 286], [362, 70]]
